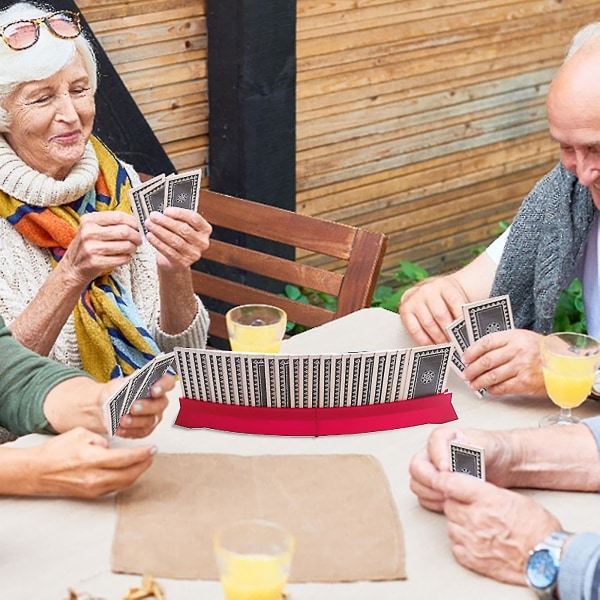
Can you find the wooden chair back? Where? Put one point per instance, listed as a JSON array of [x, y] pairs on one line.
[[361, 250]]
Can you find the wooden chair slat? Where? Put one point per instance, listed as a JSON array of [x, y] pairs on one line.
[[274, 267]]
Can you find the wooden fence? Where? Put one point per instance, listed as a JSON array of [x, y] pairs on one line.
[[419, 118]]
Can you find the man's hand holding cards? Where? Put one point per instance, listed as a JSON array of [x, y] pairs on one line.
[[479, 319]]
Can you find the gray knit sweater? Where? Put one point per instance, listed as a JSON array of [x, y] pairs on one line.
[[546, 240]]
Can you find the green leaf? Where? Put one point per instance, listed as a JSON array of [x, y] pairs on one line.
[[293, 292]]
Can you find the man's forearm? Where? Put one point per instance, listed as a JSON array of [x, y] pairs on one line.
[[556, 458]]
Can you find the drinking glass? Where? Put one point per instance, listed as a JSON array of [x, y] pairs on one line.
[[254, 559], [569, 363], [256, 328]]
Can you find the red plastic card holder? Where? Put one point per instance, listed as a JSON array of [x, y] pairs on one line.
[[315, 421]]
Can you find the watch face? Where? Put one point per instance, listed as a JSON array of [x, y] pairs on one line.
[[541, 569]]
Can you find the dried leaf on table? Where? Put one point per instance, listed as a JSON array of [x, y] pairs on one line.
[[149, 589]]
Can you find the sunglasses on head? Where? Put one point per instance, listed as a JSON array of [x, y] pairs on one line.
[[22, 34]]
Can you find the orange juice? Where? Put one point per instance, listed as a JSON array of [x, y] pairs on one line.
[[568, 391], [254, 578], [569, 379], [256, 328], [264, 338]]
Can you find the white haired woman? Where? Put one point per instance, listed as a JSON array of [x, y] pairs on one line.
[[77, 282]]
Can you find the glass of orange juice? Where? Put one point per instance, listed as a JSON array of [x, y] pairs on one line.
[[254, 559], [569, 363], [256, 328]]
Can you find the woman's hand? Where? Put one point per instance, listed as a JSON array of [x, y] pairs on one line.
[[78, 402], [180, 236], [105, 240], [80, 464], [146, 414]]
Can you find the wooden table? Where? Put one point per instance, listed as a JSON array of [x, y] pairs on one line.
[[50, 545]]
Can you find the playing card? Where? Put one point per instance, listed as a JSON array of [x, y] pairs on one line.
[[183, 190], [185, 361], [153, 197], [143, 379], [380, 360], [457, 332], [259, 381], [134, 387], [228, 376], [459, 366], [138, 204], [395, 378], [487, 316], [305, 378], [356, 369], [427, 371], [337, 387], [273, 398], [155, 370], [326, 381], [467, 459], [284, 382], [367, 384], [217, 376], [113, 408]]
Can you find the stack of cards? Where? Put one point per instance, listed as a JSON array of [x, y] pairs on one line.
[[467, 459], [182, 190], [136, 386], [479, 318], [312, 381]]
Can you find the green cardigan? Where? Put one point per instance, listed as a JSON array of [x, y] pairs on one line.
[[25, 380]]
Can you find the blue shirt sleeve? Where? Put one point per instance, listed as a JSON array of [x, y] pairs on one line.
[[579, 575]]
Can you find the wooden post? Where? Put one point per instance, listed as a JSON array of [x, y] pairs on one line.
[[252, 108], [252, 99]]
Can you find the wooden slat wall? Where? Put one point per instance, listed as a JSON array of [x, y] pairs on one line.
[[425, 119], [158, 47], [418, 118]]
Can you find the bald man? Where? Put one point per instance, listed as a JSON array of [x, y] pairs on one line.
[[552, 240]]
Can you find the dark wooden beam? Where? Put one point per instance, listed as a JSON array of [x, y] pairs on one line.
[[252, 99], [252, 124]]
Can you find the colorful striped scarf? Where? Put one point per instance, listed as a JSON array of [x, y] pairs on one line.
[[112, 339]]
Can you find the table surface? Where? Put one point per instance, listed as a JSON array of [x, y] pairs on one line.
[[51, 545]]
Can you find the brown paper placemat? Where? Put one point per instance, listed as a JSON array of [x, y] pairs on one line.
[[339, 507]]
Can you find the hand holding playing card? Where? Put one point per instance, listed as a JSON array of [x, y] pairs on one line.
[[146, 413], [506, 362], [137, 403], [179, 235]]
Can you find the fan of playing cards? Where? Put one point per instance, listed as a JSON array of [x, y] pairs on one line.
[[479, 318], [312, 381], [181, 190], [136, 386]]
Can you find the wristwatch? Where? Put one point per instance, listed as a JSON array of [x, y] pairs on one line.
[[543, 565]]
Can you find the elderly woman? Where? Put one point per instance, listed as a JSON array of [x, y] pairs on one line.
[[77, 283]]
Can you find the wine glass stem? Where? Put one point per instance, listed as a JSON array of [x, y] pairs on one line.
[[565, 414]]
